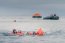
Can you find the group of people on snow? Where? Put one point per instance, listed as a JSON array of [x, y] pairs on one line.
[[27, 33]]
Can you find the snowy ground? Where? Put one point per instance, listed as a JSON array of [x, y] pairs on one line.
[[55, 30]]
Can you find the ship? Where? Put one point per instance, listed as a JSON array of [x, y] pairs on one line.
[[51, 17], [36, 15]]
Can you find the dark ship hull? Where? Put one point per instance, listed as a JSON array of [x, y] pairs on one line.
[[51, 18], [36, 16]]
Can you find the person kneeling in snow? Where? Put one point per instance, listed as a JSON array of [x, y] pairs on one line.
[[14, 31]]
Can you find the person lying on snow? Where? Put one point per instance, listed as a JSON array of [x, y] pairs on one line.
[[19, 32]]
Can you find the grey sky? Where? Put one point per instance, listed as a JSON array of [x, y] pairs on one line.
[[29, 7]]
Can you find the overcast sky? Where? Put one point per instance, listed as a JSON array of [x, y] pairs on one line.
[[29, 7]]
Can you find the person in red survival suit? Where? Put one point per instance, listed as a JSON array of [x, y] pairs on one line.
[[40, 32], [20, 33]]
